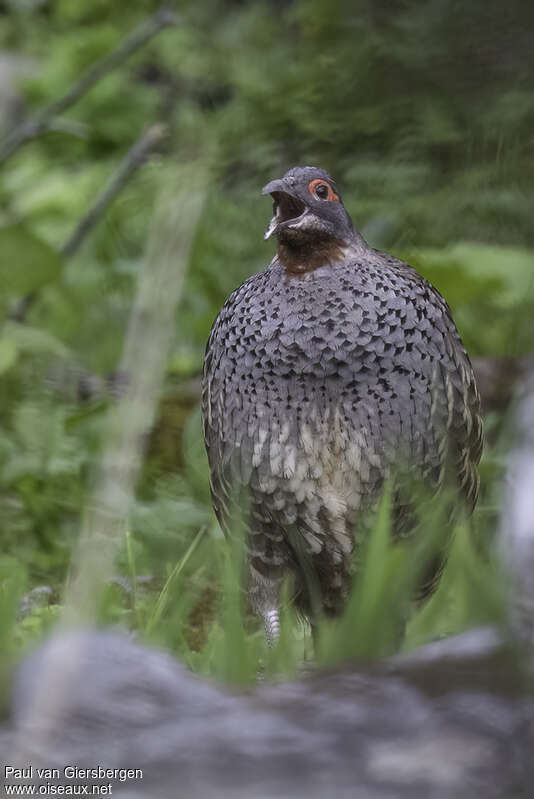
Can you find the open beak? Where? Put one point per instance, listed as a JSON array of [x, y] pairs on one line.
[[287, 207]]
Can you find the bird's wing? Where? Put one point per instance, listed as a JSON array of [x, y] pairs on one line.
[[454, 438], [456, 419], [224, 418]]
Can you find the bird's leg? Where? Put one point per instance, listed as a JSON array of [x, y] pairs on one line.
[[264, 582], [271, 620]]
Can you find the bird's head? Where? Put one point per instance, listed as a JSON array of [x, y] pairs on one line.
[[307, 209]]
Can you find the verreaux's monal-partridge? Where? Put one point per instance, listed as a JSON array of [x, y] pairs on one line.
[[321, 373]]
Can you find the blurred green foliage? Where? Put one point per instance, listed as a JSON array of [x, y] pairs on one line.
[[422, 111]]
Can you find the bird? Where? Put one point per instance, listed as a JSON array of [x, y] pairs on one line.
[[322, 373]]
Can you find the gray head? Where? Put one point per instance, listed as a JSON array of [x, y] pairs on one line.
[[307, 206]]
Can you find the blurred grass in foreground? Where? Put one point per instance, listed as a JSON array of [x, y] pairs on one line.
[[207, 625]]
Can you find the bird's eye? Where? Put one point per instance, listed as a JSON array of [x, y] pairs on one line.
[[322, 190]]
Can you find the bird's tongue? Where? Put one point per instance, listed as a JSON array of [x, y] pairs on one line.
[[287, 208], [273, 224]]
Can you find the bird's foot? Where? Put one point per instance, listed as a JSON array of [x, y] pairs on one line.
[[272, 626]]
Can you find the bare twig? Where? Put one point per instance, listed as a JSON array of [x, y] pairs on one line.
[[45, 120], [20, 308], [133, 159], [131, 162]]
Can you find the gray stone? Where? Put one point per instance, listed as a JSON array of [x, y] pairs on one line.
[[451, 720]]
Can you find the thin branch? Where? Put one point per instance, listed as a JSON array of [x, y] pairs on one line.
[[44, 120], [131, 162], [134, 158]]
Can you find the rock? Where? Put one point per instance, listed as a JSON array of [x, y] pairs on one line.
[[451, 720]]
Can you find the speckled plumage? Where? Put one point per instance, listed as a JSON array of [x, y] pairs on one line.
[[315, 383]]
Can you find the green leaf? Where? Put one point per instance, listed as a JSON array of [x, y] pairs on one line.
[[8, 354], [27, 262], [34, 340]]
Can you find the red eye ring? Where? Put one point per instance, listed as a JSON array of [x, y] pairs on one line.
[[330, 197]]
